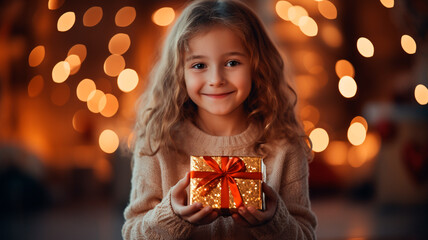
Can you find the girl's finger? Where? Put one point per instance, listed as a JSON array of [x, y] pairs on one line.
[[188, 210], [243, 211], [198, 216], [270, 193], [210, 218], [259, 215], [182, 184]]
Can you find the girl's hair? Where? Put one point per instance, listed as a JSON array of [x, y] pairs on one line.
[[271, 101]]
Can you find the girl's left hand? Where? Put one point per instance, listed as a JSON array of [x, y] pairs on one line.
[[250, 216]]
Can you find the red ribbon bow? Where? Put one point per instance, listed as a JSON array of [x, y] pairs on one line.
[[230, 169]]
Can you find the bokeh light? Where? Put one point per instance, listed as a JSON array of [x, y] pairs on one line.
[[281, 9], [421, 94], [92, 16], [84, 88], [344, 68], [55, 4], [295, 13], [362, 121], [61, 71], [308, 26], [387, 3], [66, 21], [356, 133], [125, 16], [357, 156], [111, 106], [336, 153], [408, 44], [74, 62], [113, 65], [347, 87], [163, 16], [79, 50], [365, 47], [331, 35], [35, 86], [36, 56], [319, 138], [96, 101], [119, 43], [327, 9], [127, 80], [310, 113], [81, 121], [108, 141]]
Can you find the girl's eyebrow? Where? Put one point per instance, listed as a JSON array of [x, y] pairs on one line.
[[192, 57]]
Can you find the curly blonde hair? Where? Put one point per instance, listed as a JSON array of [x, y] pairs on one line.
[[270, 103]]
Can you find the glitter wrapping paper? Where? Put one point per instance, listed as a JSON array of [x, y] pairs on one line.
[[247, 178]]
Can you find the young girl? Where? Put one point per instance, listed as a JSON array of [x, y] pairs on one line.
[[218, 90]]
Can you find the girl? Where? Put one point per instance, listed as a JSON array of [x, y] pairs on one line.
[[218, 90]]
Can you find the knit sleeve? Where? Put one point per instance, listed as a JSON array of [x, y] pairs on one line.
[[149, 214], [293, 218]]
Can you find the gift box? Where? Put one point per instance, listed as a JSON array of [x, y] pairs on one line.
[[226, 183]]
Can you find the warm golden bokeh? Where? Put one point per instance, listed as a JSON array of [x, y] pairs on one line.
[[327, 9], [79, 50], [408, 44], [357, 156], [336, 153], [74, 62], [96, 101], [344, 68], [36, 56], [66, 21], [356, 133], [331, 35], [113, 65], [55, 4], [163, 16], [111, 107], [35, 86], [108, 141], [92, 16], [84, 88], [61, 71], [125, 16], [365, 47], [387, 3], [319, 138], [308, 26], [362, 121], [119, 43], [310, 113], [281, 8], [421, 94], [127, 80], [347, 87], [295, 13]]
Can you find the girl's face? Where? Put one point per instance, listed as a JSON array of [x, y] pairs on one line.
[[217, 72]]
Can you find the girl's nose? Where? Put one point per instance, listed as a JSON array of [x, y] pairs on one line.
[[217, 79]]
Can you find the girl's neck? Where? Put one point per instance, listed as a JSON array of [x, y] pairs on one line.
[[217, 125]]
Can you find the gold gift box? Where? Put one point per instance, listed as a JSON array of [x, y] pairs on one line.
[[210, 194]]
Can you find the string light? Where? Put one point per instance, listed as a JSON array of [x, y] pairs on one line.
[[92, 16], [347, 87], [319, 139], [36, 56], [108, 141], [365, 47], [421, 94], [408, 44], [125, 16], [163, 16], [66, 21]]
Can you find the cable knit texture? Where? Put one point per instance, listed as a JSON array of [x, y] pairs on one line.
[[149, 214]]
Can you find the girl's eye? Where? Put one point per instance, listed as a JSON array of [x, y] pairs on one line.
[[198, 66], [232, 63]]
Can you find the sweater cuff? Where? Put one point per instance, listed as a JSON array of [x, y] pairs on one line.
[[274, 226], [171, 222]]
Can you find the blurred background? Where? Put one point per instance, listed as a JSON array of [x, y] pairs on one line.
[[71, 72]]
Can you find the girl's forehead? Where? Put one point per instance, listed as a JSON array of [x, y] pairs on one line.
[[215, 36]]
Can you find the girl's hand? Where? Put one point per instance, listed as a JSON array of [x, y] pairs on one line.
[[250, 216], [194, 213]]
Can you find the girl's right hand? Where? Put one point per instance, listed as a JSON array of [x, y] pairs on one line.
[[194, 213]]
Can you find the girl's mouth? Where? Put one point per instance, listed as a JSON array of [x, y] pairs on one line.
[[217, 95]]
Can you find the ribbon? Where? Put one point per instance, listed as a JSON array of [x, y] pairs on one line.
[[230, 169]]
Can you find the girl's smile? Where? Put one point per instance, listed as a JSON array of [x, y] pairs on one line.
[[217, 74]]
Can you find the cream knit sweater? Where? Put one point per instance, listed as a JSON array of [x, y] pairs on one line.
[[149, 214]]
